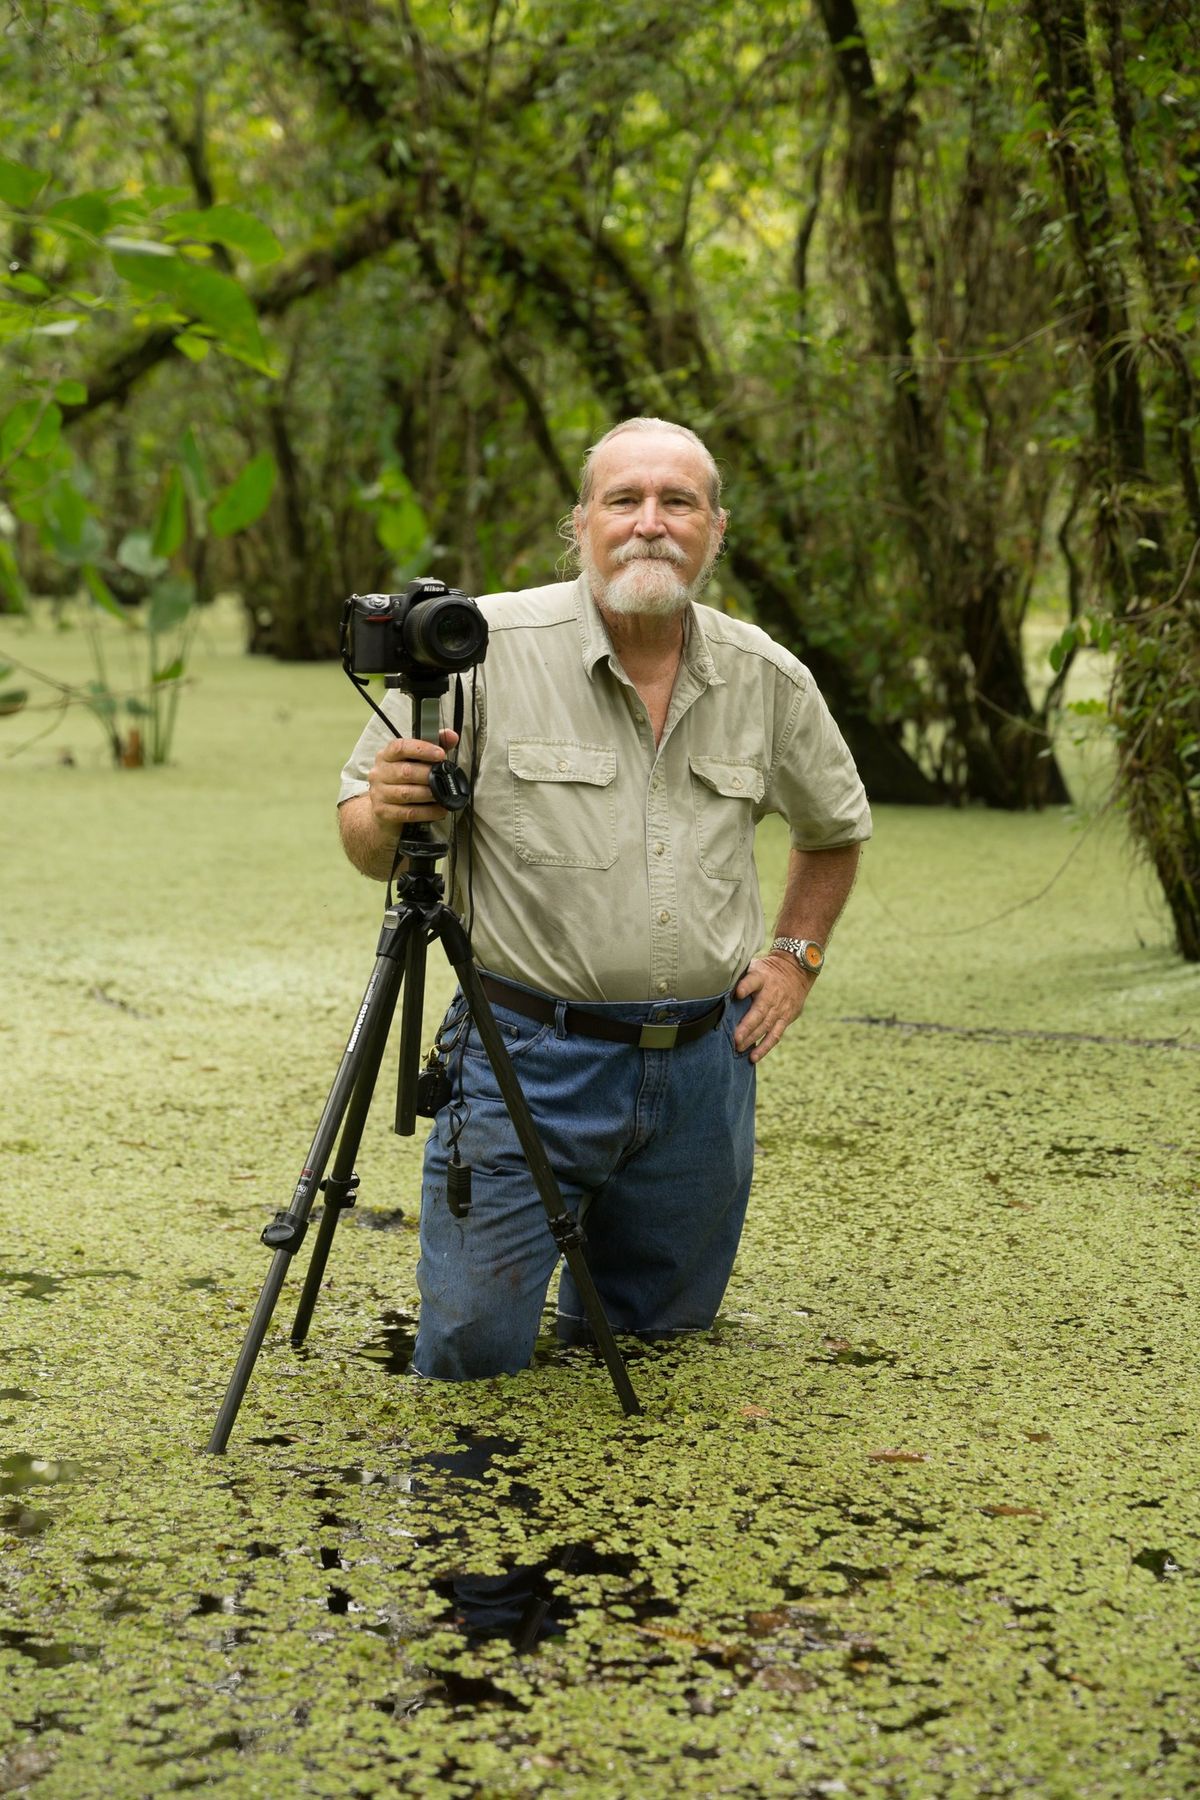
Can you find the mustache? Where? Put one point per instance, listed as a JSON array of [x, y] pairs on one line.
[[649, 550]]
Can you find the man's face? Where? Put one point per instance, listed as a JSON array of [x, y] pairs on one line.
[[648, 537]]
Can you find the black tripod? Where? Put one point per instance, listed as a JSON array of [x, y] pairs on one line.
[[408, 927]]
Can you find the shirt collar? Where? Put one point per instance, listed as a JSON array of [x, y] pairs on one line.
[[597, 646]]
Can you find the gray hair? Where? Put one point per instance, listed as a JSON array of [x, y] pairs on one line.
[[714, 474]]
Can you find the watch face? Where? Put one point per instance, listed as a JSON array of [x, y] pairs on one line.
[[812, 956]]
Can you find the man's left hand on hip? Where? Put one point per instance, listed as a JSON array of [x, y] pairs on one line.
[[780, 988]]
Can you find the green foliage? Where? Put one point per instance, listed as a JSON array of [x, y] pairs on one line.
[[245, 499]]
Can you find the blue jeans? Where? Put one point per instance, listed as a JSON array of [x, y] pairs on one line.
[[652, 1149]]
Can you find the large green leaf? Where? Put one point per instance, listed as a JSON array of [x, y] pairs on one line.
[[193, 462], [103, 595], [19, 184], [136, 553], [12, 582], [30, 429], [170, 604], [75, 533], [230, 226], [245, 499], [203, 293], [90, 212], [171, 522]]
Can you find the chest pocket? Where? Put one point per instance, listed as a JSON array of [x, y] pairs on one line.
[[724, 795], [564, 809]]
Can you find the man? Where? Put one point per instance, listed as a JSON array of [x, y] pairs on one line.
[[627, 743]]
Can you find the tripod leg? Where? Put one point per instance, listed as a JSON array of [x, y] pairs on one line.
[[286, 1233], [341, 1182], [410, 1035], [565, 1231]]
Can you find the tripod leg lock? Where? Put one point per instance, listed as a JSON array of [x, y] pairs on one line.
[[284, 1233], [340, 1192], [567, 1232]]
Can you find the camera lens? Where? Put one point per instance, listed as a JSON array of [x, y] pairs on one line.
[[446, 633]]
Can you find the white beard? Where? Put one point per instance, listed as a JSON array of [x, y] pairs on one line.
[[648, 583]]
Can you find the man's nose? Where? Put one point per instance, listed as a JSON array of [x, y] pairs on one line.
[[649, 524]]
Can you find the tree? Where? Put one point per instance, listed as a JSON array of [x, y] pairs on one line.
[[1132, 284]]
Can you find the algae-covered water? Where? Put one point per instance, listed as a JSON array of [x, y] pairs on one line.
[[919, 1518]]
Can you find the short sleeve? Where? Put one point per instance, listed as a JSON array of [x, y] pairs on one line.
[[813, 782]]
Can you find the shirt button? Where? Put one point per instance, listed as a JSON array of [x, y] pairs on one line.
[[661, 986], [736, 782], [562, 768], [664, 918], [659, 849]]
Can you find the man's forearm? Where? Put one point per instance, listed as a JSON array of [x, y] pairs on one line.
[[818, 887], [370, 848]]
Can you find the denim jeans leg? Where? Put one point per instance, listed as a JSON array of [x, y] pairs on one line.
[[663, 1230], [483, 1278], [658, 1143]]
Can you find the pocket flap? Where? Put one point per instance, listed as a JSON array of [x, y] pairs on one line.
[[547, 759], [736, 780]]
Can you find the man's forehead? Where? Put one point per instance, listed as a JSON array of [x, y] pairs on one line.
[[650, 459]]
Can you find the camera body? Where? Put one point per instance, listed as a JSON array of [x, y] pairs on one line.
[[415, 638]]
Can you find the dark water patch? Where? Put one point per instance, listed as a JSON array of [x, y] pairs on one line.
[[1160, 1563], [26, 1521], [1000, 1032], [222, 1604], [955, 1577], [369, 1218], [233, 1739], [843, 1354], [856, 1575], [121, 1606], [864, 1657], [16, 1393], [804, 1628], [391, 1347], [276, 1437], [39, 1286], [910, 1527], [258, 1551], [927, 1716], [338, 1600], [474, 1691], [200, 1281], [47, 1655], [331, 1558], [21, 1472]]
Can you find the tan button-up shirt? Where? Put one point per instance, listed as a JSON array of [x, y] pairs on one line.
[[607, 867]]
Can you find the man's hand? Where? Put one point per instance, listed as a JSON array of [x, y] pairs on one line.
[[399, 783], [780, 987]]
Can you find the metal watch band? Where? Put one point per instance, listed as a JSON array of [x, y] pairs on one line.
[[807, 951]]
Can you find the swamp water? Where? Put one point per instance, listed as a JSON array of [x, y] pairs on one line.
[[919, 1518]]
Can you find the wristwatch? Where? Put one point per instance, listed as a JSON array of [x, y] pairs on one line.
[[807, 952]]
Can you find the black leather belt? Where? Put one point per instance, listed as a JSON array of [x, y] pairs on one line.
[[581, 1023]]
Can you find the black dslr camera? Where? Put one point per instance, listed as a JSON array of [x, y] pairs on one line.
[[415, 638]]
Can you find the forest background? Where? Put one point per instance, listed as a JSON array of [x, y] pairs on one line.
[[303, 298]]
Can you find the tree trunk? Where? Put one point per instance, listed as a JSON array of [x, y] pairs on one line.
[[1154, 698]]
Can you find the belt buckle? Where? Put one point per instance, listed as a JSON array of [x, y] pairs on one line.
[[658, 1037]]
